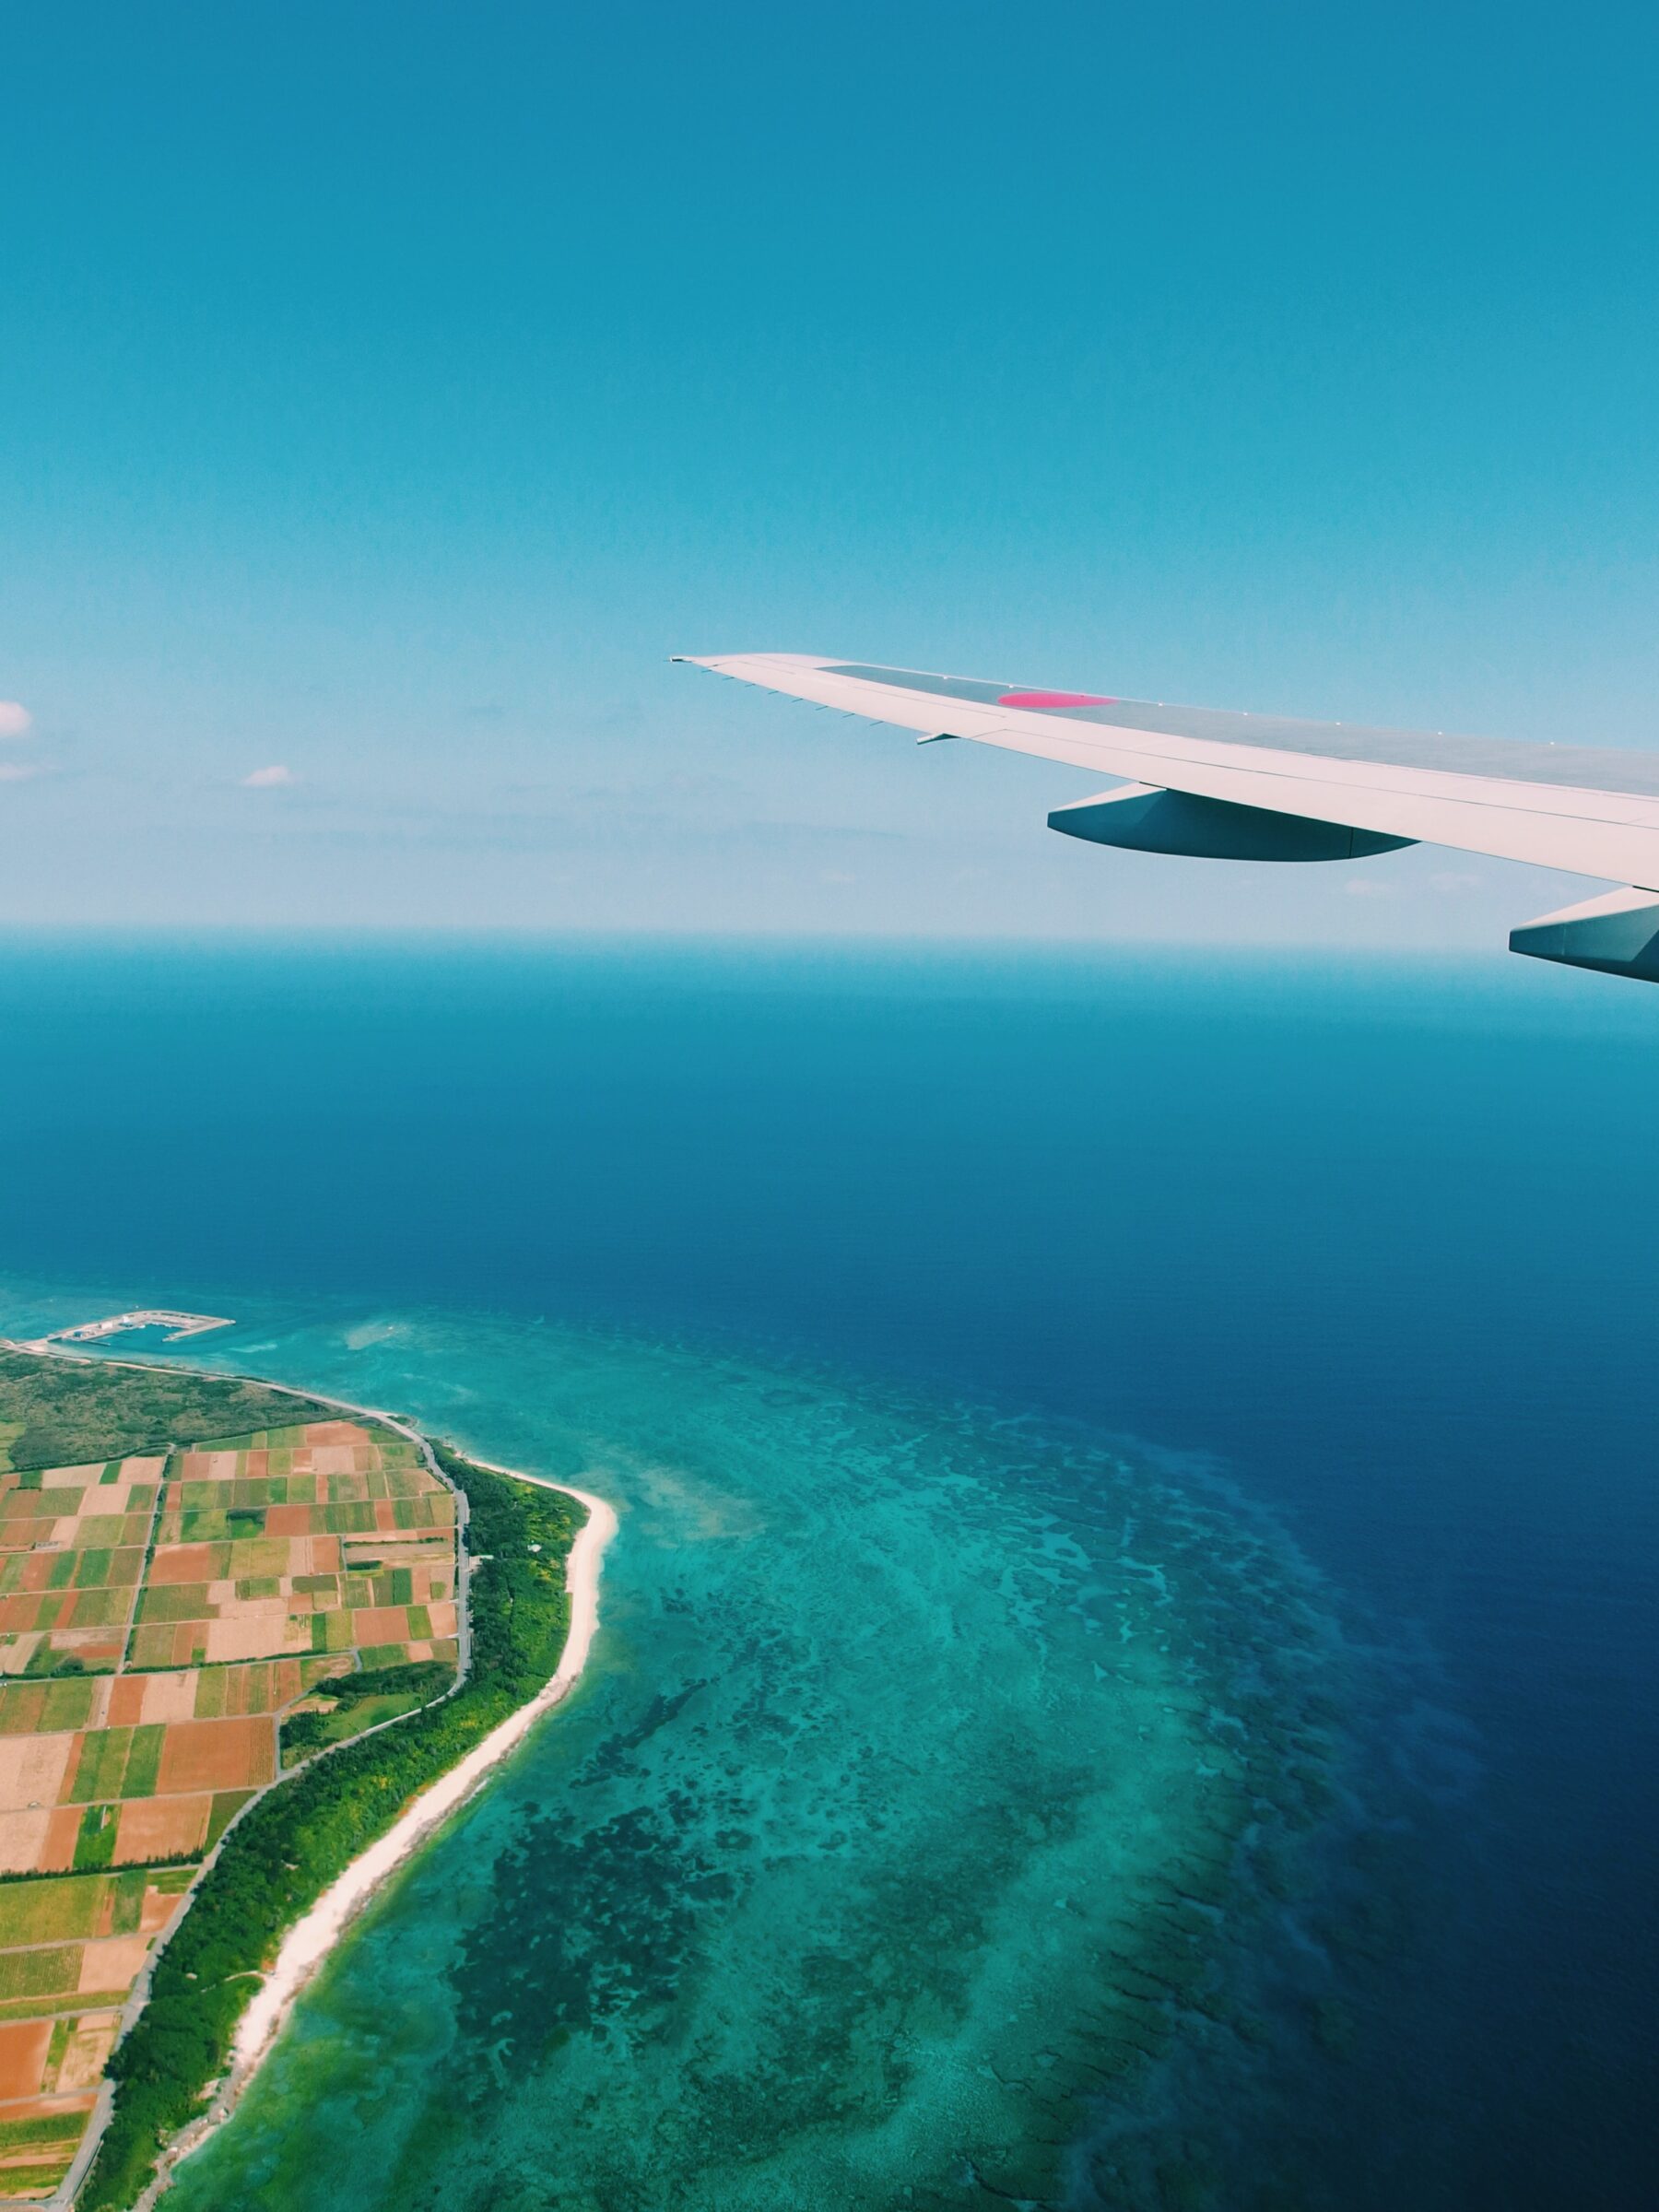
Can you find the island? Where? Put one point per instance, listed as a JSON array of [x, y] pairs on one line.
[[254, 1646]]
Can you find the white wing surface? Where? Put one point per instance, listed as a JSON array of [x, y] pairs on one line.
[[1263, 787]]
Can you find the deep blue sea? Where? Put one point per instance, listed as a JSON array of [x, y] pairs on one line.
[[1373, 1249]]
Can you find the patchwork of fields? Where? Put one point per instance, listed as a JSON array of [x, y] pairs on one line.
[[162, 1619]]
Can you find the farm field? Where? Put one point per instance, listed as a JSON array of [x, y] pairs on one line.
[[165, 1618]]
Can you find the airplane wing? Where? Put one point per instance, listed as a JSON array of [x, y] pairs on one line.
[[1222, 785]]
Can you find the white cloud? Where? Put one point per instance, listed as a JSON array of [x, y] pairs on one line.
[[268, 779], [14, 771], [1370, 887], [15, 720]]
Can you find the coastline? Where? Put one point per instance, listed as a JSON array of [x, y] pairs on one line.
[[309, 1941], [305, 1945], [312, 1938]]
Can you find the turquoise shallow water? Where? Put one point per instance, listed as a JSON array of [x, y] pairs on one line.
[[930, 1781]]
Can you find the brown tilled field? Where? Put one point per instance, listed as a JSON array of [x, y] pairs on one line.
[[158, 1620], [23, 2048], [217, 1755], [161, 1828]]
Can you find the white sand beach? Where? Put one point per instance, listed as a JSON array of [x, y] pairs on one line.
[[308, 1942]]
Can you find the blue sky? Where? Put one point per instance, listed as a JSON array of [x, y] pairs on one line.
[[385, 392]]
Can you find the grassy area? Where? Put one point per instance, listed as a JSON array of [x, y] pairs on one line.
[[360, 1701], [305, 1733], [302, 1834], [65, 1413]]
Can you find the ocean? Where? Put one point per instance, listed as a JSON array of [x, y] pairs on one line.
[[1127, 1674]]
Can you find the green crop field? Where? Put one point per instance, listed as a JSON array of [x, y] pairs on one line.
[[53, 1911], [44, 1708], [40, 1973], [102, 1763], [144, 1762], [96, 1843]]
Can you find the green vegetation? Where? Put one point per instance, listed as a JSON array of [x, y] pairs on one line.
[[51, 2139], [144, 1762], [303, 1733], [45, 1974], [52, 1911], [362, 1700], [424, 1678], [227, 1803], [95, 1846], [298, 1837], [67, 1413], [102, 1763], [45, 2130], [27, 1707], [58, 1907], [43, 1662]]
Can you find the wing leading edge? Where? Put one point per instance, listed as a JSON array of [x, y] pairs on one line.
[[1263, 787]]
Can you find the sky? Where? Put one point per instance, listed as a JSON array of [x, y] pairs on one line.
[[386, 392]]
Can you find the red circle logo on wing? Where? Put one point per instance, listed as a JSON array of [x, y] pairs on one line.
[[1054, 699]]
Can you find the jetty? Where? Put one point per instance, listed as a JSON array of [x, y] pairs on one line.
[[179, 1326]]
